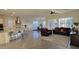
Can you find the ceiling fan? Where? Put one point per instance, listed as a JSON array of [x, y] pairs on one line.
[[53, 12]]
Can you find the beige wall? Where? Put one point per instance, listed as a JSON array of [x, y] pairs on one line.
[[74, 14], [4, 20]]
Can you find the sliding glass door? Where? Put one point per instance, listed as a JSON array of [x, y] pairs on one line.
[[35, 25]]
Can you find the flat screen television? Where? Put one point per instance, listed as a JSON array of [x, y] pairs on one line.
[[1, 27]]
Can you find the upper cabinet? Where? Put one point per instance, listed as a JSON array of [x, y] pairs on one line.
[[9, 23], [1, 19]]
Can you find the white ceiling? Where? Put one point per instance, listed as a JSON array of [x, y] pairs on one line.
[[32, 12]]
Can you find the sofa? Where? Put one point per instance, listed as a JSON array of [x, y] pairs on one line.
[[45, 32], [62, 31], [74, 38]]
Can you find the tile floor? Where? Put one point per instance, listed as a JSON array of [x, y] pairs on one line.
[[33, 40]]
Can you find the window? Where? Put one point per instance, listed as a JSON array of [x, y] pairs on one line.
[[44, 24], [52, 23], [39, 22], [69, 22], [66, 22], [61, 22]]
